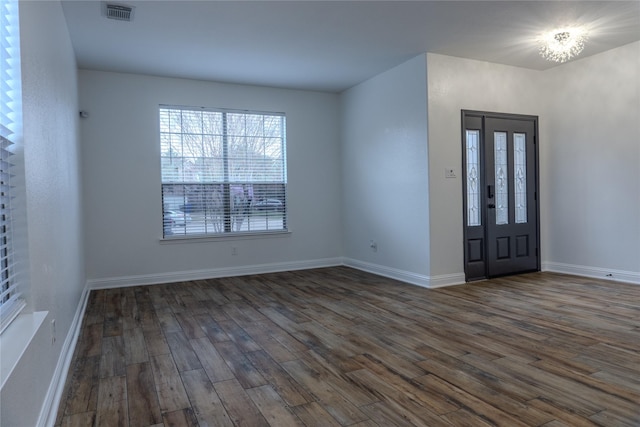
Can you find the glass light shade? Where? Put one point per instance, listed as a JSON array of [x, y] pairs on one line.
[[562, 44]]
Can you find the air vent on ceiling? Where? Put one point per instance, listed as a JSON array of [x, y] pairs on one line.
[[118, 11]]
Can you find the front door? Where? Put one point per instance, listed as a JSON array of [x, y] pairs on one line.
[[500, 174]]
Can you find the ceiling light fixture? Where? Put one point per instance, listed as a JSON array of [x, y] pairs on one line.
[[562, 44]]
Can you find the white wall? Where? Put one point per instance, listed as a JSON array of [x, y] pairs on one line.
[[592, 165], [589, 156], [122, 181], [385, 186], [456, 84], [385, 168], [54, 218]]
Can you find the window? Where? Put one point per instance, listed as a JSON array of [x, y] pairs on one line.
[[11, 301], [223, 171]]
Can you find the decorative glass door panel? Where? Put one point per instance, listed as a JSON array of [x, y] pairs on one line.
[[473, 177], [502, 181], [520, 176]]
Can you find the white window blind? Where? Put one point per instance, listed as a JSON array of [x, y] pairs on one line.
[[11, 301], [223, 171]]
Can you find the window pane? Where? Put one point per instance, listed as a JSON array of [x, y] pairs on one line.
[[191, 122], [473, 178], [273, 126], [212, 170], [267, 209], [212, 146], [200, 208], [254, 125], [177, 146], [212, 123], [192, 145], [170, 121], [520, 176], [222, 172], [164, 120], [501, 175], [235, 124]]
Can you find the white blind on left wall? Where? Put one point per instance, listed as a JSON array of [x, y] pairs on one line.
[[11, 298]]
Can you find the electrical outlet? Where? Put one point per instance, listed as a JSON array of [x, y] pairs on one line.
[[449, 173], [373, 245], [234, 251]]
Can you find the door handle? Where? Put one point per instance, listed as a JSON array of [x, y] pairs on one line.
[[491, 206], [490, 192]]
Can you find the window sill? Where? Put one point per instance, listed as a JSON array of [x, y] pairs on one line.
[[224, 237], [15, 340]]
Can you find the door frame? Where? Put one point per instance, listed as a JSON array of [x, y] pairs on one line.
[[482, 116]]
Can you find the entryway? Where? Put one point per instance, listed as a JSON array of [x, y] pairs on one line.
[[500, 189]]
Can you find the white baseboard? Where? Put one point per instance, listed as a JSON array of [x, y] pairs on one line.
[[407, 276], [447, 280], [393, 273], [49, 410], [595, 272], [183, 276]]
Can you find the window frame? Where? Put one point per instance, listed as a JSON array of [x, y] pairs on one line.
[[225, 185]]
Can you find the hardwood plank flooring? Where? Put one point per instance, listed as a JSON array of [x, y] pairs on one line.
[[340, 347]]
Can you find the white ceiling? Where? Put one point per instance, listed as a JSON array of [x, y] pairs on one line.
[[328, 45]]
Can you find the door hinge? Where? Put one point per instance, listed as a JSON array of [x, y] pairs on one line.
[[536, 252], [535, 196]]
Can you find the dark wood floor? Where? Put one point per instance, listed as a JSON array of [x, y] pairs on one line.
[[336, 346]]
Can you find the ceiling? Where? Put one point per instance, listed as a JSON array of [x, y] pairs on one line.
[[328, 45]]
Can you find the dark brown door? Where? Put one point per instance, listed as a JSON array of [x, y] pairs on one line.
[[500, 173]]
